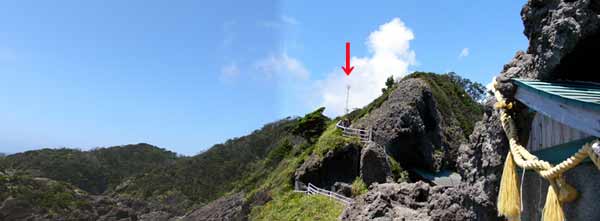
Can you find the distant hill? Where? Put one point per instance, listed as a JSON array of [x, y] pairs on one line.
[[94, 171]]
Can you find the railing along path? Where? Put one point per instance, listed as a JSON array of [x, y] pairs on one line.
[[365, 136], [312, 189]]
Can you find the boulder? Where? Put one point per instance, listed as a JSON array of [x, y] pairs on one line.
[[374, 165], [343, 189]]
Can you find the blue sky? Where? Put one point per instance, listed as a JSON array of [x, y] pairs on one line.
[[185, 75]]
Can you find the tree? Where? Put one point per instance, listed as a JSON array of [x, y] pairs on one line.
[[389, 83], [311, 125], [475, 90]]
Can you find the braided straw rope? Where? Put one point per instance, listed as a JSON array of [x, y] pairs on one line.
[[559, 191]]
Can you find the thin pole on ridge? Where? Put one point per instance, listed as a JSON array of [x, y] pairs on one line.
[[347, 98]]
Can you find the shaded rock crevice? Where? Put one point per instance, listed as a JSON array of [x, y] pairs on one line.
[[338, 165]]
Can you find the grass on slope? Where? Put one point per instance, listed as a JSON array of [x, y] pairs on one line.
[[278, 182], [332, 139], [299, 206]]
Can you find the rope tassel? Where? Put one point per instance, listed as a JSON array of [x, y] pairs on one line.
[[509, 201], [553, 210]]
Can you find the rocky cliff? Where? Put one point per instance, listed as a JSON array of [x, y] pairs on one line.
[[563, 39]]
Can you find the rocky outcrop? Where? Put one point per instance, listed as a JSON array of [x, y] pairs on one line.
[[225, 208], [343, 189], [374, 165], [410, 127], [564, 39], [338, 165], [410, 201]]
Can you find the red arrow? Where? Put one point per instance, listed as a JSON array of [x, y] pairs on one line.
[[347, 69]]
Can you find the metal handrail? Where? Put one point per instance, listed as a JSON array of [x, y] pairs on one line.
[[365, 136], [312, 189]]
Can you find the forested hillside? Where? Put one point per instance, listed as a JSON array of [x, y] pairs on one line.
[[94, 171], [207, 176]]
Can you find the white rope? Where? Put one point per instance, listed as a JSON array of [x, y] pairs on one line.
[[596, 148], [521, 191]]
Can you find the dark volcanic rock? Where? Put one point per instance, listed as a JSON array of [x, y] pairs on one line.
[[339, 165], [564, 39], [225, 208], [343, 188], [410, 201], [374, 165], [409, 126]]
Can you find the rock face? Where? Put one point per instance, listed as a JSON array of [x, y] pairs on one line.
[[409, 201], [343, 188], [564, 39], [225, 208], [474, 199], [482, 161], [410, 127], [339, 165], [374, 165]]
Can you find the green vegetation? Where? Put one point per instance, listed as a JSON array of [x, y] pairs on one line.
[[359, 187], [332, 139], [94, 171], [452, 100], [56, 198], [389, 84], [200, 179], [295, 206], [475, 90], [278, 153], [400, 175], [311, 125]]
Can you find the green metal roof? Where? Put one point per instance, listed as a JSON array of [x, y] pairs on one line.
[[582, 94]]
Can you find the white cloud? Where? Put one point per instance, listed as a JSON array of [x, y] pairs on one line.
[[229, 72], [282, 65], [390, 55], [463, 53]]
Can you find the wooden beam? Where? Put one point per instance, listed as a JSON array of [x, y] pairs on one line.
[[577, 117]]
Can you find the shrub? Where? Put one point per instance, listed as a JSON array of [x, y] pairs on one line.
[[311, 125], [400, 175], [358, 187], [279, 152]]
